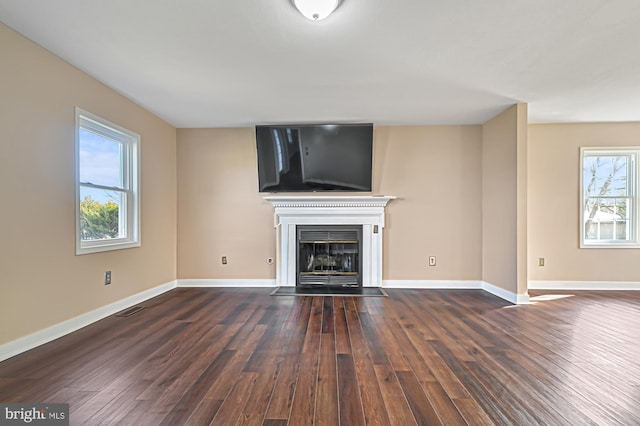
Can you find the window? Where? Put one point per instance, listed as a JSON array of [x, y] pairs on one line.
[[609, 212], [107, 211]]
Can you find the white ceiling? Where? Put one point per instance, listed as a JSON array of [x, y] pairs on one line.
[[214, 63]]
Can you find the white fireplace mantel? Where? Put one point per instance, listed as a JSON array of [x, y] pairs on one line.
[[367, 211]]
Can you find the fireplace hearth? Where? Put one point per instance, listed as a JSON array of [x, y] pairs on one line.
[[329, 255]]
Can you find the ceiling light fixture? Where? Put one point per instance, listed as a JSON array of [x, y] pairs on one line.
[[316, 9]]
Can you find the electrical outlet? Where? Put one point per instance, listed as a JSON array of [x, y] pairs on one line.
[[224, 260], [541, 261], [107, 277], [432, 261], [269, 260]]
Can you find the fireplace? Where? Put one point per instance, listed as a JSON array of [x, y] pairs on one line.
[[329, 255], [362, 212]]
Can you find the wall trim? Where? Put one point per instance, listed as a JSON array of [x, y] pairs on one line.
[[63, 328], [226, 283], [516, 299], [432, 284], [584, 285]]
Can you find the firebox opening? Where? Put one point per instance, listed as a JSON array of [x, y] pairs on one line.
[[329, 255]]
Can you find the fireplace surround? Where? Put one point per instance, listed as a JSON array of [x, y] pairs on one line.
[[365, 211]]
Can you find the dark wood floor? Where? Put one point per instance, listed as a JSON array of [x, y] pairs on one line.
[[428, 357]]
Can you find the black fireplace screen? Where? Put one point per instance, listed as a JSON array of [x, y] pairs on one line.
[[329, 255]]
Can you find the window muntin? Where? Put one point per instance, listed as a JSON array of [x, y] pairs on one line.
[[608, 197], [106, 185]]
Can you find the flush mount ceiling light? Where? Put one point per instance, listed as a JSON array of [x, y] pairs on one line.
[[316, 9]]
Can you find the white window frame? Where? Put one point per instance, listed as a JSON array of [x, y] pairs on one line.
[[633, 182], [130, 210]]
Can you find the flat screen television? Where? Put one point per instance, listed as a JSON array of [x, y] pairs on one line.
[[313, 157]]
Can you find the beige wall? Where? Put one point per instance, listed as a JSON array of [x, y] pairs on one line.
[[42, 281], [220, 212], [435, 172], [554, 202], [504, 189], [522, 196]]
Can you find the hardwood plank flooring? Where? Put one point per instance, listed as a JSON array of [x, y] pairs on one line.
[[230, 356]]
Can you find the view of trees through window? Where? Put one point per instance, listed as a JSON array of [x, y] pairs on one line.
[[98, 220], [608, 196], [101, 178]]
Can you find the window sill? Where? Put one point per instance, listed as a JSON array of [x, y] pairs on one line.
[[102, 247], [610, 246]]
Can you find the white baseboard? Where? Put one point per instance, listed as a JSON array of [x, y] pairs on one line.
[[509, 296], [227, 283], [48, 334], [432, 284], [517, 299], [584, 285]]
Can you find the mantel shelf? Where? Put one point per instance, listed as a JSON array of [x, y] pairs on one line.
[[329, 201]]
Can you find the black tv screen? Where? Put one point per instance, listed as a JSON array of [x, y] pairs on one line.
[[328, 157]]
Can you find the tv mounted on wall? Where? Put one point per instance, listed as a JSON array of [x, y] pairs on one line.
[[314, 157]]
